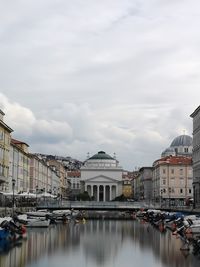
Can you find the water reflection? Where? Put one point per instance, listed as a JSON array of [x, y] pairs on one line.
[[98, 243]]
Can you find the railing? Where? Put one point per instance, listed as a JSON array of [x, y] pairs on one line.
[[91, 205], [110, 205]]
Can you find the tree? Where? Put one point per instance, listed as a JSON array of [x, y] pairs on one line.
[[84, 196]]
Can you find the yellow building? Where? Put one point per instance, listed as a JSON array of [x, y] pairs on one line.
[[5, 138], [127, 188]]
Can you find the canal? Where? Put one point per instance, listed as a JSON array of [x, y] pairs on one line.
[[102, 243]]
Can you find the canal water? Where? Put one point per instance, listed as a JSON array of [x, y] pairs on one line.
[[102, 243]]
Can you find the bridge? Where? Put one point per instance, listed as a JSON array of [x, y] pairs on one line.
[[92, 205], [109, 206]]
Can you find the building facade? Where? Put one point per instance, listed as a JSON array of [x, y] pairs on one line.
[[101, 177], [43, 178], [145, 183], [74, 178], [19, 166], [172, 180], [127, 184], [196, 156], [59, 168], [5, 139]]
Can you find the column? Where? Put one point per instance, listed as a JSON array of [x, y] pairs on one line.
[[92, 191], [104, 193], [97, 192], [110, 192]]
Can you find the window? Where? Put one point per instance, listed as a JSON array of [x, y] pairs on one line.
[[164, 171], [181, 191], [190, 191], [1, 170], [1, 153], [1, 135], [181, 171], [186, 149], [172, 171], [164, 182]]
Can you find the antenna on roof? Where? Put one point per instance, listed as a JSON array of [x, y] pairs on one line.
[[88, 155], [114, 155]]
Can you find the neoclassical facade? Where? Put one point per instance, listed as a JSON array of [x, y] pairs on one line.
[[101, 177]]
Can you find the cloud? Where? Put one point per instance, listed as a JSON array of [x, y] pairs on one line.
[[136, 134], [79, 76]]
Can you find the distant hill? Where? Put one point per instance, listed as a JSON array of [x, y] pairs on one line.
[[68, 162]]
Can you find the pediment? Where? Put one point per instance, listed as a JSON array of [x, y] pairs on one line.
[[102, 179]]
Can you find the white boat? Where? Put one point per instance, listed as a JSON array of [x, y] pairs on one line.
[[39, 213], [193, 229], [38, 223], [65, 214], [34, 222], [62, 212], [5, 219]]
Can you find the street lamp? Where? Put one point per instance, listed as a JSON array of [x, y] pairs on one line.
[[161, 192], [54, 190], [13, 198]]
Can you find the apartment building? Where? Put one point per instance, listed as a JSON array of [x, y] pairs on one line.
[[172, 180], [5, 138], [74, 178], [59, 168], [43, 178], [196, 156], [19, 166]]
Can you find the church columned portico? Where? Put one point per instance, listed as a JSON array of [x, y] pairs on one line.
[[101, 192]]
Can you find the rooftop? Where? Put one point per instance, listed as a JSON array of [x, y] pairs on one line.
[[101, 155]]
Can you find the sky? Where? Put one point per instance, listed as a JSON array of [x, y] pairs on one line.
[[83, 76]]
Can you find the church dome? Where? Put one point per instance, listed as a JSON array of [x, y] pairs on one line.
[[101, 155], [168, 152], [182, 140]]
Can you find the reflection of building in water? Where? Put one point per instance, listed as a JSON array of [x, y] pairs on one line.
[[40, 242], [100, 242], [165, 246], [105, 243]]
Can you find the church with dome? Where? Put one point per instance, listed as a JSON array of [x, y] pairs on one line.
[[180, 146], [101, 177]]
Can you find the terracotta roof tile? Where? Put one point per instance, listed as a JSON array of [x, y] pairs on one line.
[[174, 160]]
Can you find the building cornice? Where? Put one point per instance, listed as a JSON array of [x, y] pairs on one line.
[[195, 112], [101, 169], [6, 126]]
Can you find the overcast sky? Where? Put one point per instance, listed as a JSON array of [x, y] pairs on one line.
[[81, 76]]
